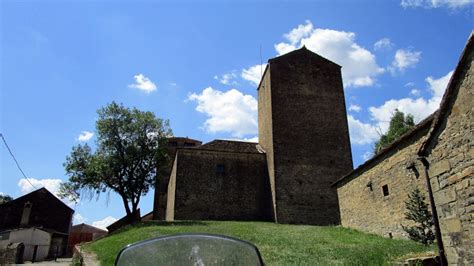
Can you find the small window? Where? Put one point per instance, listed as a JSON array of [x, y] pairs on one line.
[[385, 190], [173, 143], [220, 169], [188, 144]]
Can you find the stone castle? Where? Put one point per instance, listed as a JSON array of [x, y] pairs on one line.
[[301, 170], [303, 148]]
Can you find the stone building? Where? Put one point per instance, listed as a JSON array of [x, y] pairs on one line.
[[220, 180], [40, 221], [303, 130], [303, 148], [437, 156], [161, 185], [371, 198], [449, 153]]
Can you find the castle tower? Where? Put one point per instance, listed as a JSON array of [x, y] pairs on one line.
[[303, 129]]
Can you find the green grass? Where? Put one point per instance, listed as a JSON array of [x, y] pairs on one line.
[[279, 244]]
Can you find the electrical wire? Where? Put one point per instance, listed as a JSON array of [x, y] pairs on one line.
[[16, 162]]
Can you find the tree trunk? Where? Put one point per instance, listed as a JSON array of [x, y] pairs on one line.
[[125, 203]]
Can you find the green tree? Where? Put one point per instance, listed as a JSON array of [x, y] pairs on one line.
[[5, 198], [130, 153], [417, 211], [399, 125]]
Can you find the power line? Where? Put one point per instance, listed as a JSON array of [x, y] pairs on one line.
[[17, 164]]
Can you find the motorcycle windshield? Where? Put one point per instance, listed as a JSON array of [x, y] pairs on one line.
[[190, 249]]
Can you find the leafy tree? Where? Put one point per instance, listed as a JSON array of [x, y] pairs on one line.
[[5, 198], [399, 125], [417, 211], [131, 151]]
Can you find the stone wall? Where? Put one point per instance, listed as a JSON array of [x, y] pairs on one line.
[[362, 202], [265, 130], [451, 168], [218, 185], [310, 137], [162, 178]]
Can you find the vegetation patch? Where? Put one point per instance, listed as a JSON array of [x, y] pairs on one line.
[[279, 244]]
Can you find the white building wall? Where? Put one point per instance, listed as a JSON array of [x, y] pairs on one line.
[[31, 237]]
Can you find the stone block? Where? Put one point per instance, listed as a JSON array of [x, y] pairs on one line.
[[453, 179], [453, 225], [468, 172], [457, 159], [445, 196], [463, 185], [439, 168], [434, 184], [470, 153], [451, 255]]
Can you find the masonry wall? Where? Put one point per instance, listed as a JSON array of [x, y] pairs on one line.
[[362, 202], [163, 174], [452, 172], [265, 130], [219, 185], [310, 137]]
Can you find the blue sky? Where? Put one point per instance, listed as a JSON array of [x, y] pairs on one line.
[[197, 64]]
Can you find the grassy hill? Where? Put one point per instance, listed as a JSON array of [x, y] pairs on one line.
[[279, 244]]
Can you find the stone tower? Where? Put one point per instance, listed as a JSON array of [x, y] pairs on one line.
[[303, 129]]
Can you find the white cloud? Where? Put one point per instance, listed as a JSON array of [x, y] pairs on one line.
[[361, 133], [78, 219], [300, 32], [415, 92], [143, 83], [355, 108], [52, 185], [404, 59], [366, 133], [420, 108], [359, 66], [452, 4], [438, 86], [230, 111], [85, 136], [102, 224], [367, 155], [410, 84], [253, 74], [227, 78], [252, 139], [384, 43]]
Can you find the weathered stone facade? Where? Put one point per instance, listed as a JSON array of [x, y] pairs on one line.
[[362, 201], [444, 143], [222, 180], [450, 153], [161, 184], [303, 129], [303, 148]]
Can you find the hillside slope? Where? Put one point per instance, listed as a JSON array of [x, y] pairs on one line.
[[279, 244]]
